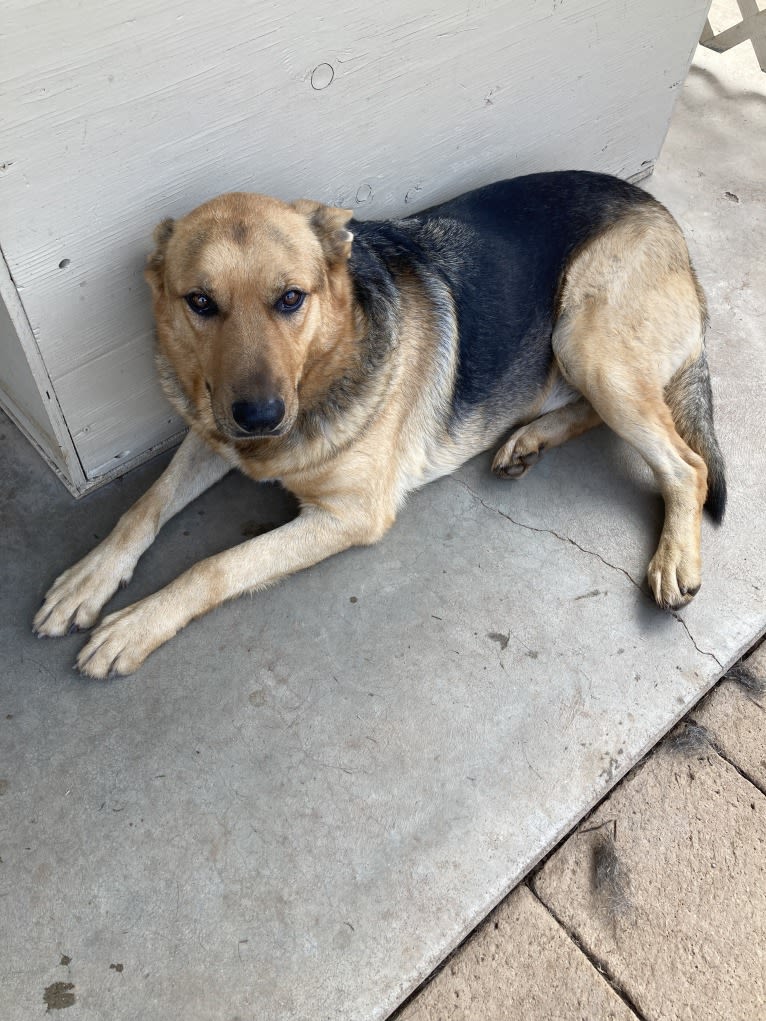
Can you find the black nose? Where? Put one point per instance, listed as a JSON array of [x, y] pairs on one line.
[[258, 417]]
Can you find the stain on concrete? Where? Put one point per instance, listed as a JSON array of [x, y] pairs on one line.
[[610, 765], [65, 960], [257, 697], [58, 995], [116, 967], [588, 595], [502, 640], [3, 786]]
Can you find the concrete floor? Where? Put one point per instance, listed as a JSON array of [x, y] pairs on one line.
[[300, 805]]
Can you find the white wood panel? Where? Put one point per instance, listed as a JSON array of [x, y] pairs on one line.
[[26, 392], [122, 384], [18, 386], [120, 113]]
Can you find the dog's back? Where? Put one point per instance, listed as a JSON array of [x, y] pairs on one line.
[[501, 251], [501, 254]]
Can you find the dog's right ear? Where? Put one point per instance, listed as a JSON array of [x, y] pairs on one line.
[[155, 264]]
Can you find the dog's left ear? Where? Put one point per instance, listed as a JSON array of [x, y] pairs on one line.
[[329, 225], [155, 264]]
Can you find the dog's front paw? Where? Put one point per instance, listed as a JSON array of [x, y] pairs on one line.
[[122, 641], [674, 575], [77, 597]]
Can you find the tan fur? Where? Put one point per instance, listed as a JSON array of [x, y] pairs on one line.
[[350, 481], [523, 448], [629, 317]]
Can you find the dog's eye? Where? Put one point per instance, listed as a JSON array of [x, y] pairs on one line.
[[291, 300], [201, 304]]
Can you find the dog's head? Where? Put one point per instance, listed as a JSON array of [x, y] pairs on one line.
[[250, 294]]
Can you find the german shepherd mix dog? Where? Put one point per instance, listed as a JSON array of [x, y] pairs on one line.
[[357, 361]]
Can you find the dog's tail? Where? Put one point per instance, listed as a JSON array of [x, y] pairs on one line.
[[690, 399]]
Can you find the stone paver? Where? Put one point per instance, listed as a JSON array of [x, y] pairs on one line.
[[518, 964], [735, 716], [664, 884]]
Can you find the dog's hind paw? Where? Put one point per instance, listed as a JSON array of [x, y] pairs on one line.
[[514, 459], [674, 576]]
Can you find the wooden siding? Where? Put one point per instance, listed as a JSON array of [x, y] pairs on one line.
[[119, 113]]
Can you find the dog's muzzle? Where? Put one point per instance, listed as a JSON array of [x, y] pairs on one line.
[[258, 418]]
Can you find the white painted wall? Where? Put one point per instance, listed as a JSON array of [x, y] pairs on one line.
[[26, 392], [19, 391], [119, 113]]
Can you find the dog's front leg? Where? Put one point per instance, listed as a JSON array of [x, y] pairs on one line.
[[123, 640], [76, 598]]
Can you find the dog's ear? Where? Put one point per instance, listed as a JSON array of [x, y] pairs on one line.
[[155, 264], [329, 225]]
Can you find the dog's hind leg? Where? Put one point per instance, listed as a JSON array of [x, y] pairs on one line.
[[630, 338], [524, 446], [629, 398]]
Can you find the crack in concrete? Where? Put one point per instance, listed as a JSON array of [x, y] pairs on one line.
[[550, 531], [692, 639], [590, 553]]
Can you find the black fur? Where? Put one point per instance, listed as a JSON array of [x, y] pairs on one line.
[[690, 399], [501, 251]]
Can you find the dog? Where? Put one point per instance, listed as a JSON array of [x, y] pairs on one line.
[[356, 361]]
